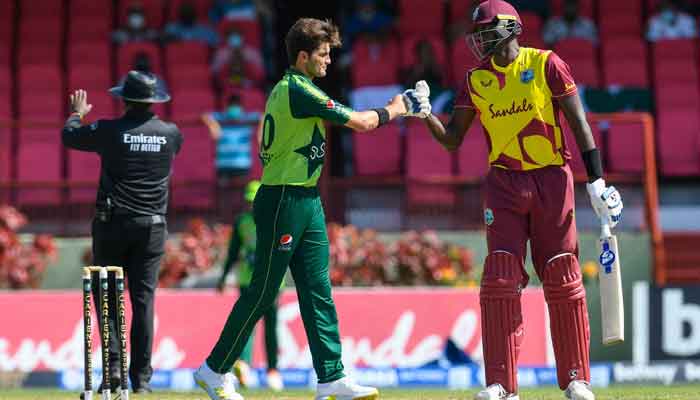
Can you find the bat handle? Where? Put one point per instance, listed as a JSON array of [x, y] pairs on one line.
[[605, 230]]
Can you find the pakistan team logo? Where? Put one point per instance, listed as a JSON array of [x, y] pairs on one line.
[[488, 216], [315, 152]]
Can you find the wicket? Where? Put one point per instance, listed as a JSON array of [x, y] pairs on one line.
[[103, 292]]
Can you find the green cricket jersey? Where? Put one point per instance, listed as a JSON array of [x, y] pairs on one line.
[[293, 145]]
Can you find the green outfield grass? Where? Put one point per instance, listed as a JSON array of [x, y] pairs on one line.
[[615, 393]]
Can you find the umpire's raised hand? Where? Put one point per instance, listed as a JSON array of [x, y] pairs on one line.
[[79, 104]]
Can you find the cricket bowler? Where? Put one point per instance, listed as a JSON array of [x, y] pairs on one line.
[[517, 93], [291, 226]]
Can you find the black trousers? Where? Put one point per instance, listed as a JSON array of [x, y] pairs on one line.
[[137, 245]]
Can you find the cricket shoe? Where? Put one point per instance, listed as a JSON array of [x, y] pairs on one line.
[[242, 371], [345, 389], [217, 386], [579, 390], [495, 392], [274, 380]]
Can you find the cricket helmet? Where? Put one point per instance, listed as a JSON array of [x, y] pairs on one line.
[[494, 22]]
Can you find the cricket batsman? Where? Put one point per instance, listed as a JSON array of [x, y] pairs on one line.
[[518, 92], [291, 226]]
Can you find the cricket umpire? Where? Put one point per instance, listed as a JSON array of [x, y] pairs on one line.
[[129, 228]]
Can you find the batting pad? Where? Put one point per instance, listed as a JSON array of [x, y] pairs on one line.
[[502, 318], [568, 318]]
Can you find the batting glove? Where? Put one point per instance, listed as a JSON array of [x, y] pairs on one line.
[[418, 100], [606, 201]]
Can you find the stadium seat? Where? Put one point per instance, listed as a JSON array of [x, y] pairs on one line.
[[7, 23], [88, 77], [252, 99], [676, 70], [421, 17], [202, 7], [673, 49], [39, 54], [625, 147], [128, 52], [39, 161], [41, 107], [43, 30], [625, 62], [186, 53], [186, 77], [531, 22], [677, 94], [90, 53], [473, 154], [194, 170], [5, 80], [83, 176], [375, 65], [5, 52], [153, 9], [249, 30], [49, 9], [366, 161], [91, 9], [408, 50], [620, 25], [190, 105], [585, 7], [460, 10], [576, 163], [90, 28], [679, 142], [461, 60], [425, 159], [41, 78], [581, 57], [5, 106]]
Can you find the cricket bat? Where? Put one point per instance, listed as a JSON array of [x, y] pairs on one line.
[[611, 303]]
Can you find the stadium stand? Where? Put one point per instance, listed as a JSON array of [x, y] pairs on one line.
[[387, 138], [76, 53], [473, 155], [375, 66]]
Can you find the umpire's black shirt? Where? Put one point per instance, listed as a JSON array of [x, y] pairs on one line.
[[137, 151]]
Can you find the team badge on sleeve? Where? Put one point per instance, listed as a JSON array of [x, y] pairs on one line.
[[527, 75]]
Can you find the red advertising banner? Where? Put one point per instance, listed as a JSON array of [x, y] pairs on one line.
[[379, 328]]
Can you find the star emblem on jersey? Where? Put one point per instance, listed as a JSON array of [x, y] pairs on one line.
[[314, 152]]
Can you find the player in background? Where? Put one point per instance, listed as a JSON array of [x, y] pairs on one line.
[[291, 226], [242, 244], [517, 93]]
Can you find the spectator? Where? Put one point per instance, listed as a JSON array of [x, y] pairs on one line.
[[142, 63], [671, 23], [233, 10], [367, 19], [186, 28], [232, 130], [570, 25], [427, 68], [238, 64], [136, 28]]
